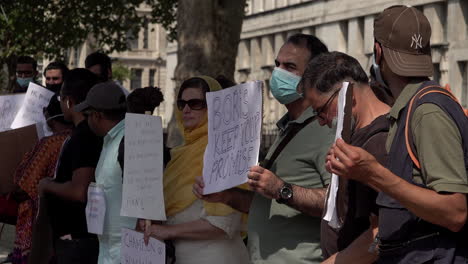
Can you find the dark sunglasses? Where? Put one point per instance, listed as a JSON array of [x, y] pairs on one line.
[[194, 104], [325, 106]]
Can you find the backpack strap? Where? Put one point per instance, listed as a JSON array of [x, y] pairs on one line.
[[409, 137], [267, 163]]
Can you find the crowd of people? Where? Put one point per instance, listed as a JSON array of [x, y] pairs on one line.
[[401, 177]]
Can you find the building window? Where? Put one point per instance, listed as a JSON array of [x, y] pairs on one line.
[[145, 35], [151, 77], [136, 79], [132, 40], [464, 87], [436, 75], [76, 56]]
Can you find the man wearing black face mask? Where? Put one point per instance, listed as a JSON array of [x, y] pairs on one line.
[[54, 74], [422, 200]]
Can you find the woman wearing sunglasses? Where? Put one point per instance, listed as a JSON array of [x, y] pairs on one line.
[[202, 232]]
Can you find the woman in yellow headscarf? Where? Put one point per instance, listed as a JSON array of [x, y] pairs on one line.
[[202, 232]]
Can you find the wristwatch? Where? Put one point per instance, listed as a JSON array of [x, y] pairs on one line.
[[285, 193]]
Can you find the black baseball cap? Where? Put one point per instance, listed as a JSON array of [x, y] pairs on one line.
[[104, 96]]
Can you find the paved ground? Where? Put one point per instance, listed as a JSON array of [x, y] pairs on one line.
[[6, 240]]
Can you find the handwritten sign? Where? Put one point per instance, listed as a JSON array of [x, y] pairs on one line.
[[134, 250], [95, 209], [234, 130], [9, 107], [31, 111], [142, 185], [331, 215]]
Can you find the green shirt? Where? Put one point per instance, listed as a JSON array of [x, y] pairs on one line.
[[438, 143], [278, 233]]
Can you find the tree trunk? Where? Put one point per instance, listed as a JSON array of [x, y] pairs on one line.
[[11, 65], [208, 33]]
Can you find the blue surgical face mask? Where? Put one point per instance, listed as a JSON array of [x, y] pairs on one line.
[[283, 86], [24, 82]]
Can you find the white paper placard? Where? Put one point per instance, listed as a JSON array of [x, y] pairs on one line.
[[331, 214], [234, 133], [95, 209], [9, 107], [143, 168], [134, 250], [31, 111]]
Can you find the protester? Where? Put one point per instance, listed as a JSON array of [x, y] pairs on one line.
[[350, 239], [26, 72], [99, 64], [423, 205], [224, 81], [35, 165], [105, 107], [289, 190], [142, 101], [54, 74], [66, 194], [202, 232]]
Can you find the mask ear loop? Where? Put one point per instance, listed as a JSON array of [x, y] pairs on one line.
[[68, 103]]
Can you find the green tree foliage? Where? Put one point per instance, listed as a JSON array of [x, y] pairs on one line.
[[48, 28], [120, 72]]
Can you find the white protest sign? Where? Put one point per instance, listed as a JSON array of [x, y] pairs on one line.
[[31, 111], [234, 131], [142, 184], [95, 209], [134, 250], [9, 107], [331, 214]]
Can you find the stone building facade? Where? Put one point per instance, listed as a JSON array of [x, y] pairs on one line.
[[343, 25], [146, 58], [347, 26]]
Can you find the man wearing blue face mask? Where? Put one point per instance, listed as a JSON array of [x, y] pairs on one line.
[[289, 188], [26, 72]]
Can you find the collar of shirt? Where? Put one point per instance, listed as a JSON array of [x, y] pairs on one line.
[[115, 131], [405, 96], [285, 121]]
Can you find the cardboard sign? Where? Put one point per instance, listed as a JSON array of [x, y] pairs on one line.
[[134, 249], [142, 195], [234, 133], [95, 209], [9, 107], [14, 144], [31, 111]]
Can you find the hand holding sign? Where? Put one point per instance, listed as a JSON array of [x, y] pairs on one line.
[[134, 249]]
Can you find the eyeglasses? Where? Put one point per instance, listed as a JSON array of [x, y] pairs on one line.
[[194, 104], [52, 78], [321, 109]]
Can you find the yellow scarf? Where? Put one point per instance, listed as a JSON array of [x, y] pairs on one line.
[[186, 164]]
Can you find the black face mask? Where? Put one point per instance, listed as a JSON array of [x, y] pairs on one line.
[[54, 87]]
